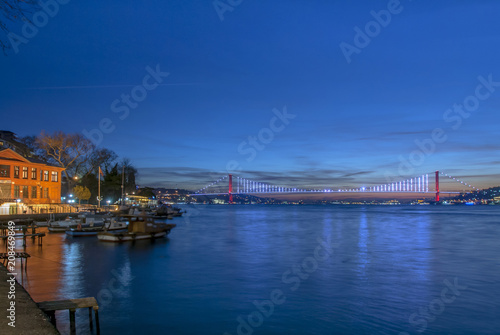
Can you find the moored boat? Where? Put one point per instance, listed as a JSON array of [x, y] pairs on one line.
[[140, 227], [116, 223], [75, 232], [165, 210]]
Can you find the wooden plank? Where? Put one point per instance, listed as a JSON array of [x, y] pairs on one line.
[[5, 255], [22, 236], [67, 304]]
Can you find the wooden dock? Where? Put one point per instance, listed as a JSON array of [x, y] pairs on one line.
[[4, 234], [50, 307], [22, 255]]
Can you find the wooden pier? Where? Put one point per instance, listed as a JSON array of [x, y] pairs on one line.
[[4, 234], [50, 307], [22, 255]]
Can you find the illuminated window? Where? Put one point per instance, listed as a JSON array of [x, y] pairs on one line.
[[4, 171], [45, 175], [25, 192], [33, 173], [54, 176], [33, 192], [16, 171], [25, 172]]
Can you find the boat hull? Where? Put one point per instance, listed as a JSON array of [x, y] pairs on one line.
[[124, 237], [59, 229], [74, 233]]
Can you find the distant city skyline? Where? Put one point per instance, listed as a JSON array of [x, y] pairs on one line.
[[302, 94]]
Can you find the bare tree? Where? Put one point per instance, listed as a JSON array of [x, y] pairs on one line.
[[11, 12], [28, 147], [69, 151], [100, 157]]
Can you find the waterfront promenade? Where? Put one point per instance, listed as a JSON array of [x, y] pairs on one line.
[[29, 319]]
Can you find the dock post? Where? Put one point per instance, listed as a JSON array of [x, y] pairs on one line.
[[72, 321], [98, 329], [90, 319], [52, 317], [24, 236]]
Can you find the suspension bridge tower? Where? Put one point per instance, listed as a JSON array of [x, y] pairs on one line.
[[437, 186], [230, 192]]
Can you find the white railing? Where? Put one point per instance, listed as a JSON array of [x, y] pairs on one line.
[[10, 208]]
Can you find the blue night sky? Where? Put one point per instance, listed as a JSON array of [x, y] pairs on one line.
[[353, 124]]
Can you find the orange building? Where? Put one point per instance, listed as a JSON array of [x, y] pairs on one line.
[[28, 179]]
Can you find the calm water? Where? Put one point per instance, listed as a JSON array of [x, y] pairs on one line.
[[310, 270]]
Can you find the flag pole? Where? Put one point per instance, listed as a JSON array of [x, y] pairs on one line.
[[123, 181], [99, 188]]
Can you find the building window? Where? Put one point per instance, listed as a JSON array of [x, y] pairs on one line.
[[54, 176], [33, 173], [25, 172], [25, 192], [5, 171], [16, 171], [45, 175], [46, 192], [33, 192], [16, 191]]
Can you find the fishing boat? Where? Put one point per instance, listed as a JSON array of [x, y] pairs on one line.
[[115, 224], [63, 225], [164, 210], [140, 227]]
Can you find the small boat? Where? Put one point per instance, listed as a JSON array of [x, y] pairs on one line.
[[68, 222], [55, 229], [165, 210], [93, 220], [65, 225], [140, 227], [116, 223], [87, 230], [74, 232]]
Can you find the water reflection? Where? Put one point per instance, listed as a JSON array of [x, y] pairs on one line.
[[363, 237], [389, 262]]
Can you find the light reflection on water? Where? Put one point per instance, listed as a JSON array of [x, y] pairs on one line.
[[390, 262]]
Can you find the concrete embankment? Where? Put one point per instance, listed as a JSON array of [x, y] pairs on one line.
[[26, 316], [35, 217]]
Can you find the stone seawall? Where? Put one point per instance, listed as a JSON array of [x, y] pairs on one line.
[[28, 318]]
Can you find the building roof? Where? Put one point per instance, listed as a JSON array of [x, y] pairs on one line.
[[11, 155]]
